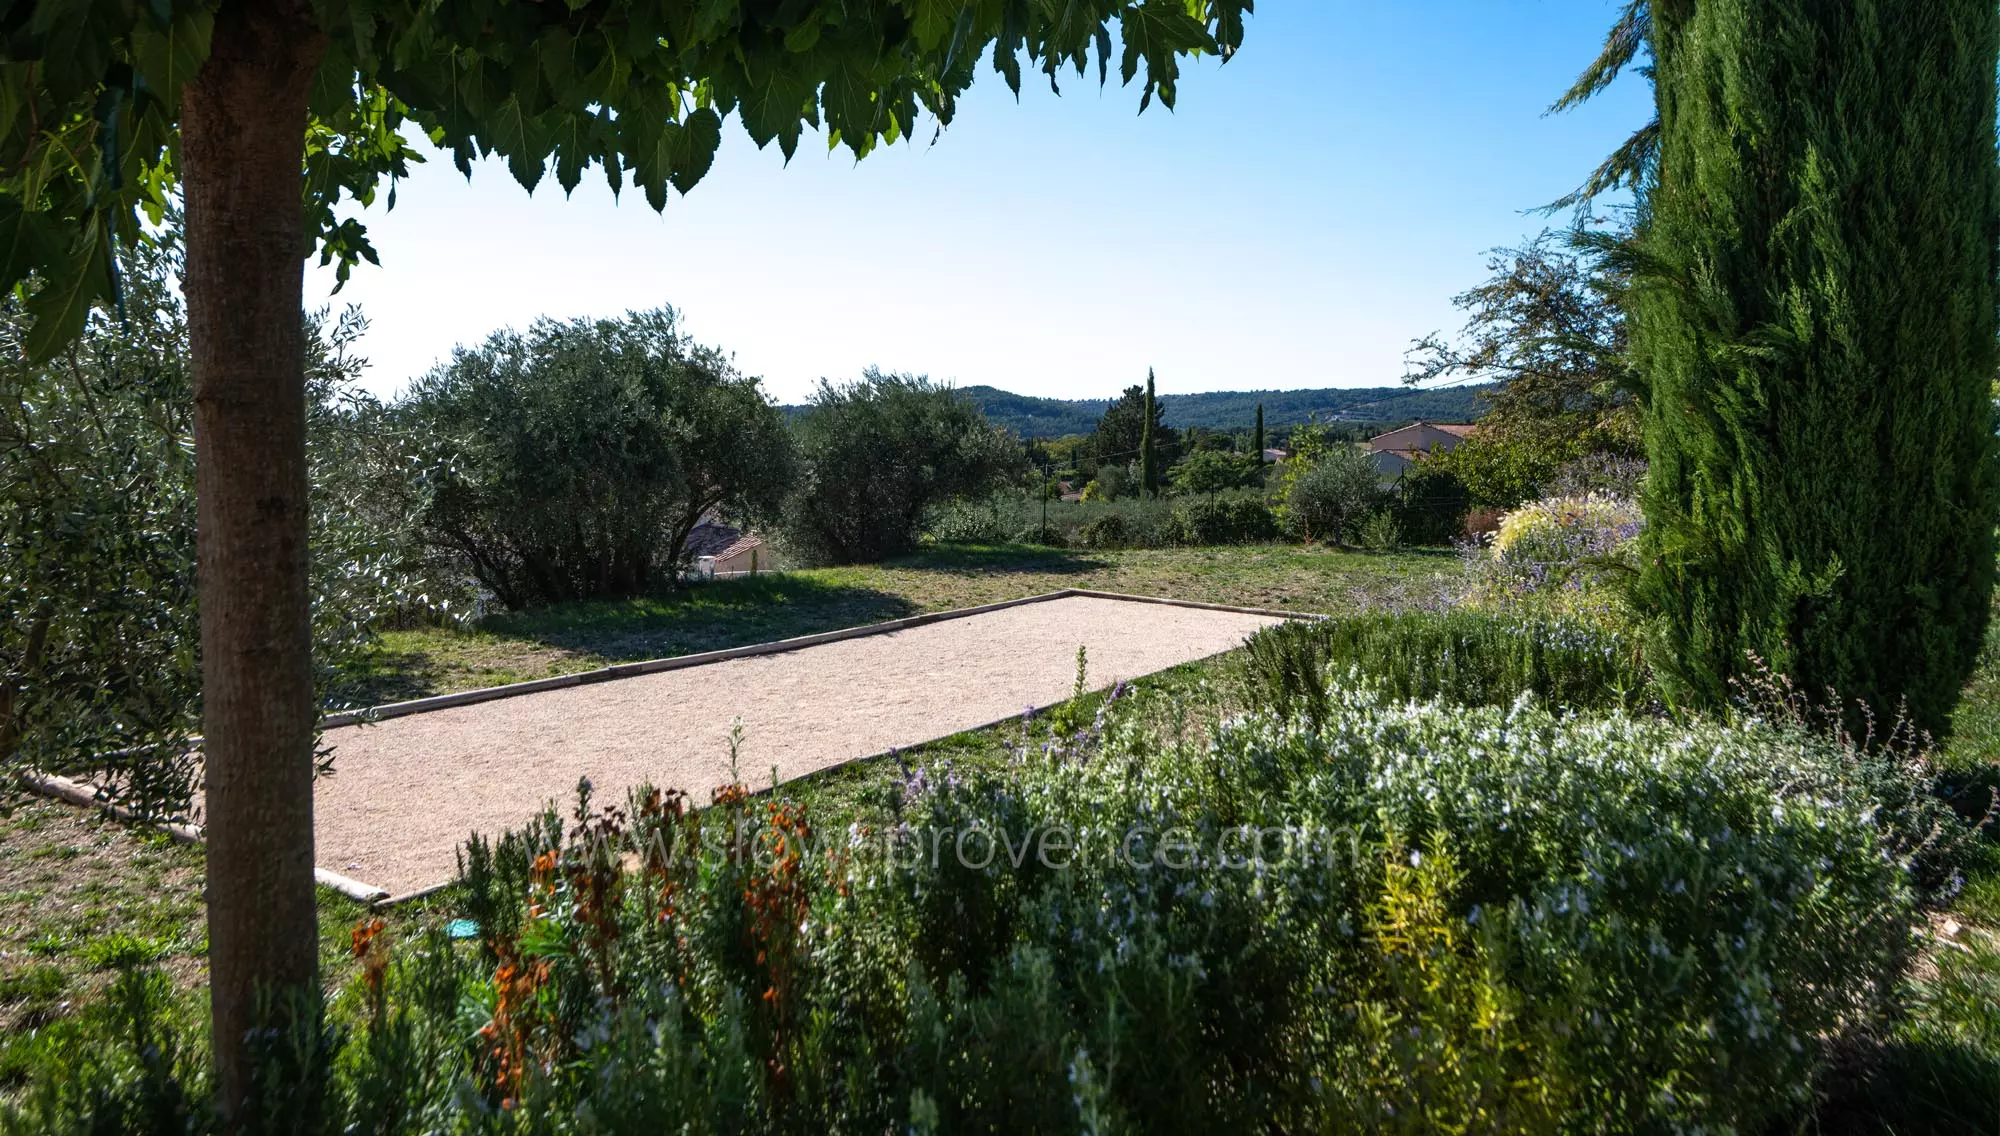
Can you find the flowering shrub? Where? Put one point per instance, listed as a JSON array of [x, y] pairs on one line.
[[1399, 915], [1560, 554]]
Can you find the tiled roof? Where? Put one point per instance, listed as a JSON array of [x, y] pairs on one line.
[[720, 541], [743, 544]]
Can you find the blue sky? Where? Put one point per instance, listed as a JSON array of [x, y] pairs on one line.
[[1305, 212]]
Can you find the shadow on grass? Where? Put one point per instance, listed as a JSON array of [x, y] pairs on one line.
[[1927, 1085], [703, 617], [385, 676], [998, 559], [514, 646]]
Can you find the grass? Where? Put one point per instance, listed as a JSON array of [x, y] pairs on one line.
[[515, 647]]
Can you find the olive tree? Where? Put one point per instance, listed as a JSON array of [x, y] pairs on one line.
[[1332, 494], [573, 461], [878, 455]]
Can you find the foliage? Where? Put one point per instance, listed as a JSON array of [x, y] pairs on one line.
[[879, 455], [1121, 435], [1430, 505], [1410, 917], [1326, 496], [99, 643], [1224, 518], [1815, 319], [1504, 471], [1380, 531], [1568, 555], [1468, 657], [1132, 522], [1213, 471], [1601, 473], [97, 550], [1548, 330], [637, 92], [572, 462]]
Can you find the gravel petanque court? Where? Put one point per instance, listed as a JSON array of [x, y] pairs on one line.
[[407, 791]]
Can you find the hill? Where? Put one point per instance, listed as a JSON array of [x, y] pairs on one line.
[[1033, 417]]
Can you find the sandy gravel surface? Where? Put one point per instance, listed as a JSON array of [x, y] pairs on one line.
[[407, 791]]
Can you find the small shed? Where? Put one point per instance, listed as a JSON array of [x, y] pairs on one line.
[[720, 551]]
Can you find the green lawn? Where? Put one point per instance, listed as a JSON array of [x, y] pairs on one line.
[[516, 647]]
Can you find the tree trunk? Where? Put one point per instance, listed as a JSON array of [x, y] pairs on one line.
[[242, 142]]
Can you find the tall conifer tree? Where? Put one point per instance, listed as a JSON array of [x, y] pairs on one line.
[[1257, 439], [1814, 323], [1149, 473]]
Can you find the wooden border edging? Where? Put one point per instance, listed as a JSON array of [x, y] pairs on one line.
[[77, 793], [656, 666], [1274, 613]]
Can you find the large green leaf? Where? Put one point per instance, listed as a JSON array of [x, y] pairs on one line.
[[694, 147], [62, 304], [169, 57], [28, 242]]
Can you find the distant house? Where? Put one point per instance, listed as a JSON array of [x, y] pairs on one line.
[[1273, 455], [1393, 452], [720, 550]]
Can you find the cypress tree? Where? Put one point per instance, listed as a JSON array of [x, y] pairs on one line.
[[1257, 438], [1148, 475], [1814, 323]]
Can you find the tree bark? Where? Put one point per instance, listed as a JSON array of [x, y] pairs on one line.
[[242, 144]]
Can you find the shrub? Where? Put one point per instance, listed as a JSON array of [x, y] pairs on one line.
[[1409, 916], [1332, 495], [1380, 531], [1131, 522], [1430, 505], [1233, 518], [1562, 554], [1467, 657], [1215, 471], [992, 520], [881, 454], [572, 462]]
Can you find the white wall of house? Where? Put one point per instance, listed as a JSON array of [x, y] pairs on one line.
[[1420, 436]]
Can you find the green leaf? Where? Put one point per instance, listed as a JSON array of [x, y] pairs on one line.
[[513, 133], [572, 152], [1157, 31], [62, 304], [29, 242], [776, 98], [169, 58], [695, 144], [934, 22]]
